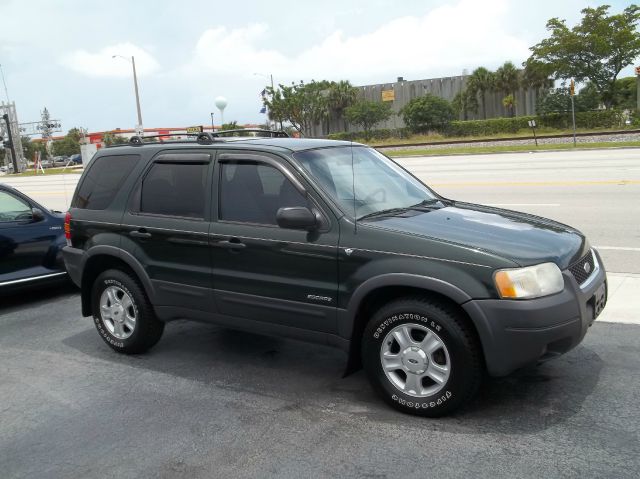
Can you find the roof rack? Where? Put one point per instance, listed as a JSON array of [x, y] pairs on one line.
[[267, 133], [205, 137]]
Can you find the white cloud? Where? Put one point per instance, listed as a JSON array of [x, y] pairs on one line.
[[102, 63], [442, 42]]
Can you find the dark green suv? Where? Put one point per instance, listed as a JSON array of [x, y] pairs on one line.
[[330, 242]]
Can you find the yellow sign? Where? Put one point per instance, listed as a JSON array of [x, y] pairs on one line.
[[572, 88], [388, 95], [194, 130]]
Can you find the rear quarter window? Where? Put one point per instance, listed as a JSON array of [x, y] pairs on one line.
[[103, 180]]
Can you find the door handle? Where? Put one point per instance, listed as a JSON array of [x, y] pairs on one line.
[[230, 244], [141, 233]]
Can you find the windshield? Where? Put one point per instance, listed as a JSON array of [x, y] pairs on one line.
[[379, 184]]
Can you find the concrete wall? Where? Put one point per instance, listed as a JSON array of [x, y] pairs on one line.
[[446, 88]]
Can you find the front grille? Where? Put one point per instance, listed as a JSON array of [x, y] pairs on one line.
[[581, 272]]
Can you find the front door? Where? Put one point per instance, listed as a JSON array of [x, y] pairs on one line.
[[166, 229], [24, 242], [263, 272]]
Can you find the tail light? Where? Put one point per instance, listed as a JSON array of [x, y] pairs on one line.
[[67, 228]]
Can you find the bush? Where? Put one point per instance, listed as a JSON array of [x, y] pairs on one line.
[[426, 113], [493, 126], [381, 134]]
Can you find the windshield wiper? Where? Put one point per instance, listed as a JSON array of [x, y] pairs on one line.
[[388, 211], [426, 202]]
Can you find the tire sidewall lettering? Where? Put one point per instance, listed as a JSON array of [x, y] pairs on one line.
[[98, 320]]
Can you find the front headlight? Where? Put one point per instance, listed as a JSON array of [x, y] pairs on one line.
[[530, 282]]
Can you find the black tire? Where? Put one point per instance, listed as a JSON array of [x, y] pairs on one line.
[[148, 329], [463, 356]]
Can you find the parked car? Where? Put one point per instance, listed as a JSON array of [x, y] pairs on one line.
[[60, 161], [47, 163], [331, 242], [76, 159], [31, 241]]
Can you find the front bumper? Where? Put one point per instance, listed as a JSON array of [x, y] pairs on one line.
[[516, 333]]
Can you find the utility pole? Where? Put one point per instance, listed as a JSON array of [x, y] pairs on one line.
[[12, 147]]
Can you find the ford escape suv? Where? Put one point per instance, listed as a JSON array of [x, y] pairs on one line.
[[330, 242]]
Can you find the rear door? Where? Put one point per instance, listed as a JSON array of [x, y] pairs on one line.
[[166, 228], [263, 272]]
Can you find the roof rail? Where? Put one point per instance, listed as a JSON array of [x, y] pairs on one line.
[[202, 138], [205, 137], [270, 133]]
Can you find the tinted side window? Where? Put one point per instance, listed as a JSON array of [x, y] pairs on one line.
[[175, 189], [252, 193], [12, 208], [103, 180]]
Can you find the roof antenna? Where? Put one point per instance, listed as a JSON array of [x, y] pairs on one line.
[[353, 187]]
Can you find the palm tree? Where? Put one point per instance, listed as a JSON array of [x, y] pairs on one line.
[[507, 81], [480, 82], [341, 96], [464, 102], [536, 75]]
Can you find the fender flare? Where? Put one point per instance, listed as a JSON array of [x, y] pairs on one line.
[[124, 256], [347, 323]]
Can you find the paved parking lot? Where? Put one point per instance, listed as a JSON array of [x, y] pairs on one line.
[[208, 402]]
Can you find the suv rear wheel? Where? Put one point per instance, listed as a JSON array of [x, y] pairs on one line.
[[122, 313], [421, 357]]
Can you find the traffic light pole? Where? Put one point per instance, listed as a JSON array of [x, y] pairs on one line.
[[5, 117]]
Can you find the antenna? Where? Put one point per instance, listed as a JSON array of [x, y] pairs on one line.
[[353, 187]]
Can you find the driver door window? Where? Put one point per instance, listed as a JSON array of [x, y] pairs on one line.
[[13, 209], [253, 193]]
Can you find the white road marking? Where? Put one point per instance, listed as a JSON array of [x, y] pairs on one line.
[[618, 248]]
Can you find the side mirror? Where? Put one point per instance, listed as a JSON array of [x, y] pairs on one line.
[[296, 218], [36, 215]]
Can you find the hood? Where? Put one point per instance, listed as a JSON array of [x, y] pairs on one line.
[[522, 238]]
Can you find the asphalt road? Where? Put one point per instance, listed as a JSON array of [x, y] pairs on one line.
[[208, 402], [596, 191]]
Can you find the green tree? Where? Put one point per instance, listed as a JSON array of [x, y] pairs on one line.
[[303, 104], [507, 81], [30, 147], [427, 112], [480, 82], [341, 96], [69, 145], [596, 49], [367, 114], [232, 125], [465, 102], [536, 75], [110, 139], [558, 100], [625, 96]]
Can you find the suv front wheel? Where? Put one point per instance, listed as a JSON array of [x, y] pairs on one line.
[[122, 313], [421, 357]]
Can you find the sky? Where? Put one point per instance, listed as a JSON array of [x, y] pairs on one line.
[[58, 54]]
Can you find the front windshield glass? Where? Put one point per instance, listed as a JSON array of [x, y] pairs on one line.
[[379, 184]]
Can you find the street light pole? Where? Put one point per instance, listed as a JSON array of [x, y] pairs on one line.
[[135, 85], [212, 127]]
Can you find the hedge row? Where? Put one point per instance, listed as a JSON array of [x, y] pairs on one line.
[[381, 134], [497, 126]]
